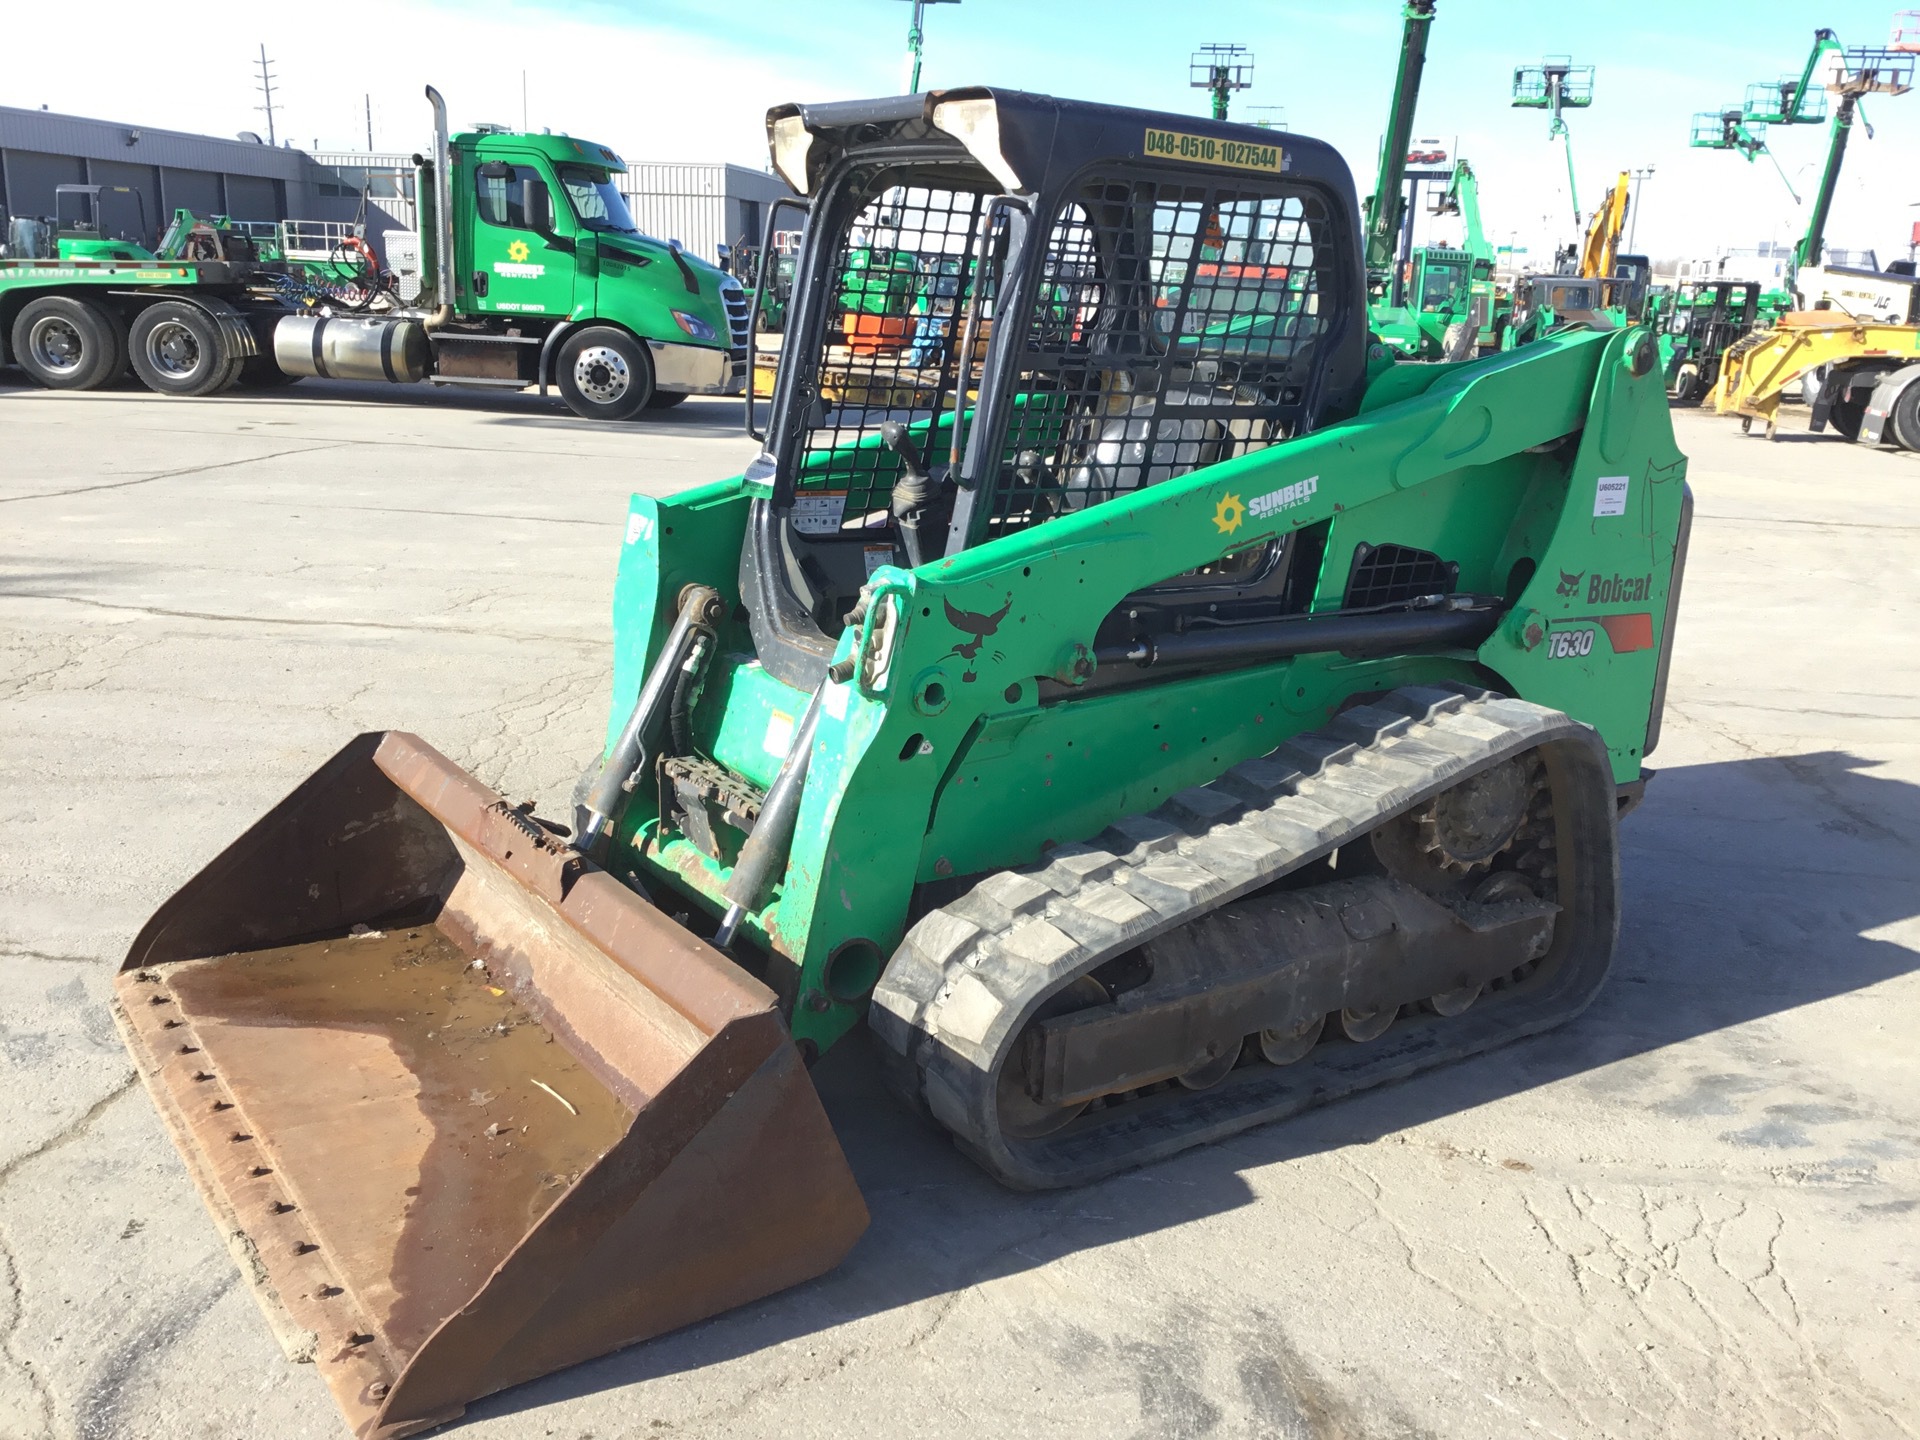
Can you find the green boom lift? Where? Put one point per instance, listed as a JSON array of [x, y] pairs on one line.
[[1427, 302], [1847, 73], [1386, 208], [1169, 724], [1556, 85]]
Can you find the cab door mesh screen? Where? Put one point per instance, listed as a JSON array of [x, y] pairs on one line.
[[1175, 326], [902, 293]]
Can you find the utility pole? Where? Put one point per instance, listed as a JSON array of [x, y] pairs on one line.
[[369, 124], [525, 128], [1220, 70], [1633, 221], [915, 35], [266, 91]]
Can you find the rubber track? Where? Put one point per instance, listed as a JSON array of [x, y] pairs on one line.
[[964, 981]]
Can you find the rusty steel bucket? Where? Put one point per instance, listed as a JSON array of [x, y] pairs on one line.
[[467, 1109]]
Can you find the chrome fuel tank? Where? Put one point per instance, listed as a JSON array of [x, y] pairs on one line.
[[336, 348]]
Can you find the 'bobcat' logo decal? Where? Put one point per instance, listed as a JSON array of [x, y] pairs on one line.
[[980, 627], [1569, 582]]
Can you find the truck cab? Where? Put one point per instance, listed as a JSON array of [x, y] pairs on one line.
[[545, 250]]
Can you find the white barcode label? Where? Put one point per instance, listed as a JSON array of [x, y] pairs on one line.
[[1610, 495]]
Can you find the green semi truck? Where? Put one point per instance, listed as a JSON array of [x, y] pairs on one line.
[[527, 270]]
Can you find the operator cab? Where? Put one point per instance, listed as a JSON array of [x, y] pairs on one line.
[[1010, 307]]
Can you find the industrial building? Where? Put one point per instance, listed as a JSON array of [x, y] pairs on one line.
[[703, 206], [165, 169]]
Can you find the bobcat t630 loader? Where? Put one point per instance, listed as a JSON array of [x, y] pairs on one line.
[[1148, 706]]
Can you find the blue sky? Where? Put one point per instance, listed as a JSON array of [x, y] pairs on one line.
[[672, 79]]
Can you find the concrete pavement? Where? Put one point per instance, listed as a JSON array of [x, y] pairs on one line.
[[1692, 1213]]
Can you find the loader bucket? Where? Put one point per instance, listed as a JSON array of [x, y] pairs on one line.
[[468, 1109]]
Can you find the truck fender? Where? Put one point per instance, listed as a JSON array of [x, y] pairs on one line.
[[552, 342], [1880, 405], [234, 329]]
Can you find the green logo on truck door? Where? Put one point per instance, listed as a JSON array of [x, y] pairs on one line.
[[514, 267]]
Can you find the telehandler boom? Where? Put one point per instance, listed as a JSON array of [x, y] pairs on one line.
[[1178, 717]]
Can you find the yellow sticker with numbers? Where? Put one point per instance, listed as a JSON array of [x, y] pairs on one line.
[[1206, 150]]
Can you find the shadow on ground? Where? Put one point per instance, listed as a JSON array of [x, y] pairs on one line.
[[1749, 885]]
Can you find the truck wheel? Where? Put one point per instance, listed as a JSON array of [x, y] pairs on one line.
[[177, 349], [666, 399], [1845, 416], [1903, 417], [604, 374], [68, 344]]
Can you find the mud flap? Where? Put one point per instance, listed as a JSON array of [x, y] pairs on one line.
[[467, 1109]]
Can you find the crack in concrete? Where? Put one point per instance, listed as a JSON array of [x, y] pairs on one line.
[[9, 1267], [166, 475], [11, 953], [532, 636], [451, 514], [69, 1132]]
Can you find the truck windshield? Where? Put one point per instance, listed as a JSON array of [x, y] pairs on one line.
[[597, 204]]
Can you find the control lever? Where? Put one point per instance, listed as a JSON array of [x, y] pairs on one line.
[[911, 491]]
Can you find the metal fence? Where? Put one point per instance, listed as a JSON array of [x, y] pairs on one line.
[[702, 206]]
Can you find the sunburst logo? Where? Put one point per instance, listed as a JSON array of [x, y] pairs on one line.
[[1228, 514], [518, 251]]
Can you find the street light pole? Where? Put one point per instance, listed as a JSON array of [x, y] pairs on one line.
[[1633, 224]]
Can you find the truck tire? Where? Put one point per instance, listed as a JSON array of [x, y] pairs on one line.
[[666, 399], [604, 374], [1845, 417], [69, 344], [177, 349], [1903, 418]]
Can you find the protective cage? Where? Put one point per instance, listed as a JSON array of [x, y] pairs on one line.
[[467, 1109], [1556, 82], [1772, 102], [1170, 322], [1726, 129]]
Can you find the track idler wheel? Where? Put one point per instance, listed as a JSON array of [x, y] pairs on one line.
[[1449, 1003], [1285, 1047], [1211, 1071], [1360, 1026]]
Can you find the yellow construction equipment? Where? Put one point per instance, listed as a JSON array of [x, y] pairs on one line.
[[1602, 244], [1857, 359]]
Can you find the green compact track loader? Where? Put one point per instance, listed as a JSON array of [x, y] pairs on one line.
[[1158, 715]]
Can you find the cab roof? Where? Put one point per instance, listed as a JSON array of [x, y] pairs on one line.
[[558, 149]]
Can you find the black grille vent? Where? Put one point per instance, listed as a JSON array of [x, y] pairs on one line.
[[1393, 574]]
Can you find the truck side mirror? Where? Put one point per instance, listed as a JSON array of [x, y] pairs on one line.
[[539, 207]]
